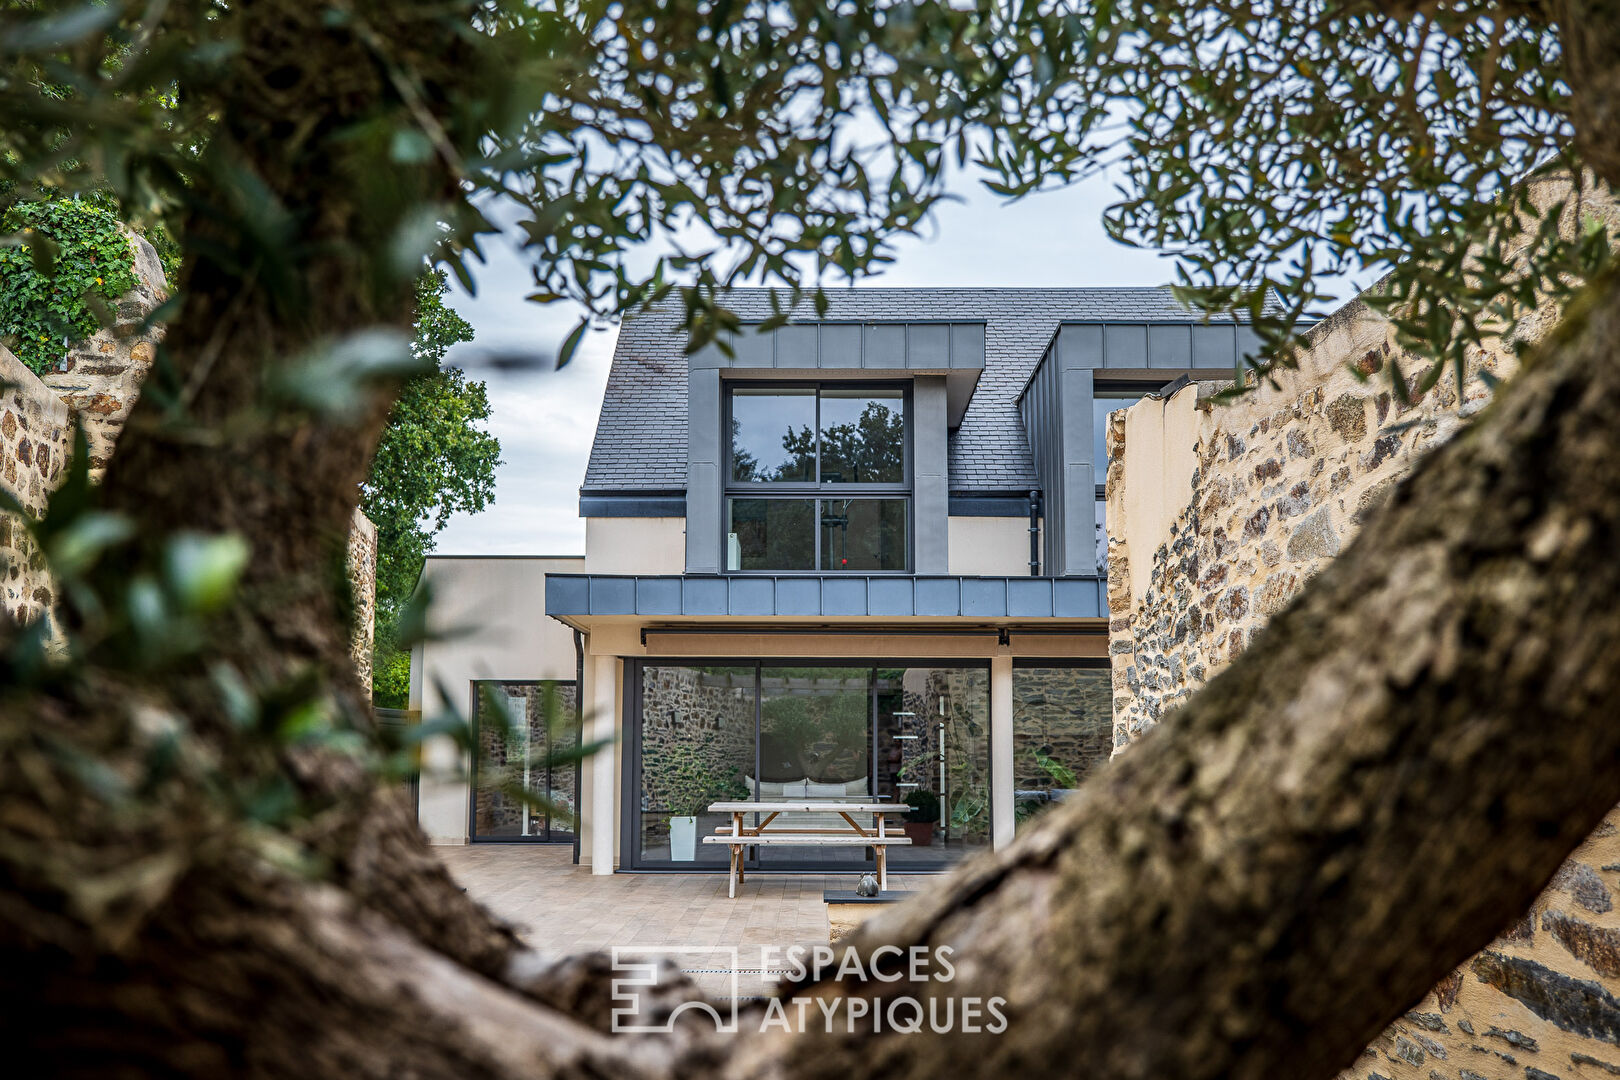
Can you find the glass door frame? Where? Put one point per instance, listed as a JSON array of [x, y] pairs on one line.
[[630, 858]]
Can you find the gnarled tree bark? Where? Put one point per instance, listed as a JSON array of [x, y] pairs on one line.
[[1255, 890]]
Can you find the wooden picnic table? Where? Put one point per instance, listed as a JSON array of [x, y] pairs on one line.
[[741, 836]]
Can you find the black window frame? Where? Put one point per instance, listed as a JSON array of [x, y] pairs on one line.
[[817, 491], [630, 764], [549, 835]]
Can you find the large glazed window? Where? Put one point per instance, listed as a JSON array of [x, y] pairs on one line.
[[773, 435], [1063, 728], [835, 731], [818, 478], [526, 733], [698, 727], [863, 534]]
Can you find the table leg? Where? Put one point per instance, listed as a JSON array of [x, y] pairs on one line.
[[882, 852]]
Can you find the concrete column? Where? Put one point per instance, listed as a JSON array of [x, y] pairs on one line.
[[604, 787], [1001, 747]]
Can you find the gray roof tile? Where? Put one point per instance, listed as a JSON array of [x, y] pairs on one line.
[[641, 436]]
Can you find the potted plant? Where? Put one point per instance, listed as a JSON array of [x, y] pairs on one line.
[[692, 783], [921, 819]]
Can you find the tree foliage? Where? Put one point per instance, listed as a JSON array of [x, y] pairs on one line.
[[433, 460], [194, 840]]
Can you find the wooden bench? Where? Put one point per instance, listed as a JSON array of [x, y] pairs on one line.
[[878, 844], [740, 836]]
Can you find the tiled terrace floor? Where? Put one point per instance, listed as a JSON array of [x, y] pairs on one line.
[[560, 907]]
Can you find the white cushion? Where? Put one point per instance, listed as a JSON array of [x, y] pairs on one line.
[[814, 790], [796, 789], [856, 787]]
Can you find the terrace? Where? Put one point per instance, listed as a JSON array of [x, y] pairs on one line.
[[559, 907]]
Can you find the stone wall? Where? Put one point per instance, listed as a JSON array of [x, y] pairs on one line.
[[1261, 493], [36, 439], [362, 564], [1272, 487], [98, 383], [101, 377]]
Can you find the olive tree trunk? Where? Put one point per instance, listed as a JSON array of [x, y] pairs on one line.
[[1255, 890]]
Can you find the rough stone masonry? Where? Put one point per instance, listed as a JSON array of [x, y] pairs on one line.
[[1217, 515], [97, 385]]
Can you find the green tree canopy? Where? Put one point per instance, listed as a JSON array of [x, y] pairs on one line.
[[433, 460]]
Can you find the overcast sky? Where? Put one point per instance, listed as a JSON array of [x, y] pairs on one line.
[[545, 420]]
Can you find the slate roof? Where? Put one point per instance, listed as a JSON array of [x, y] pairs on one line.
[[641, 435]]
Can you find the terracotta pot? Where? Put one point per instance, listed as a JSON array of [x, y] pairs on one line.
[[921, 833]]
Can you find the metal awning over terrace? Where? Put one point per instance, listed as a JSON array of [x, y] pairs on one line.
[[571, 597]]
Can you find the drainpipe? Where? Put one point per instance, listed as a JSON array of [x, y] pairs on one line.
[[579, 730], [1034, 534]]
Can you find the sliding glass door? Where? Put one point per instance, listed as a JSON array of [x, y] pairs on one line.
[[696, 735], [815, 743], [822, 731]]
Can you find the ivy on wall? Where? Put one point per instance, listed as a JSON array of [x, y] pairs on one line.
[[44, 308]]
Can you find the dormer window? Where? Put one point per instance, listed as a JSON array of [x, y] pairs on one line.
[[818, 478]]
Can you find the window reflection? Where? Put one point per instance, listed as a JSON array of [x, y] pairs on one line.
[[770, 534], [863, 437], [863, 534], [1063, 728], [525, 731], [773, 435]]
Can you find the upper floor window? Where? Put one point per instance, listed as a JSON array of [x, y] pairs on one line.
[[818, 478]]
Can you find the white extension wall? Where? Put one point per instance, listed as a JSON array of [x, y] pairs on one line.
[[500, 602]]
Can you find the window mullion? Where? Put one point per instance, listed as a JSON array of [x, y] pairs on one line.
[[818, 437], [815, 502]]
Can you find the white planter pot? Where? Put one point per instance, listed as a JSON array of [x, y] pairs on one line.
[[683, 838]]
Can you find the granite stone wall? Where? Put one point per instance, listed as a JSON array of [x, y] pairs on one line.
[[36, 439], [362, 564], [1274, 486], [97, 384], [101, 377], [1278, 483]]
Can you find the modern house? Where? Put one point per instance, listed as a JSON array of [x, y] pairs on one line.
[[856, 557]]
